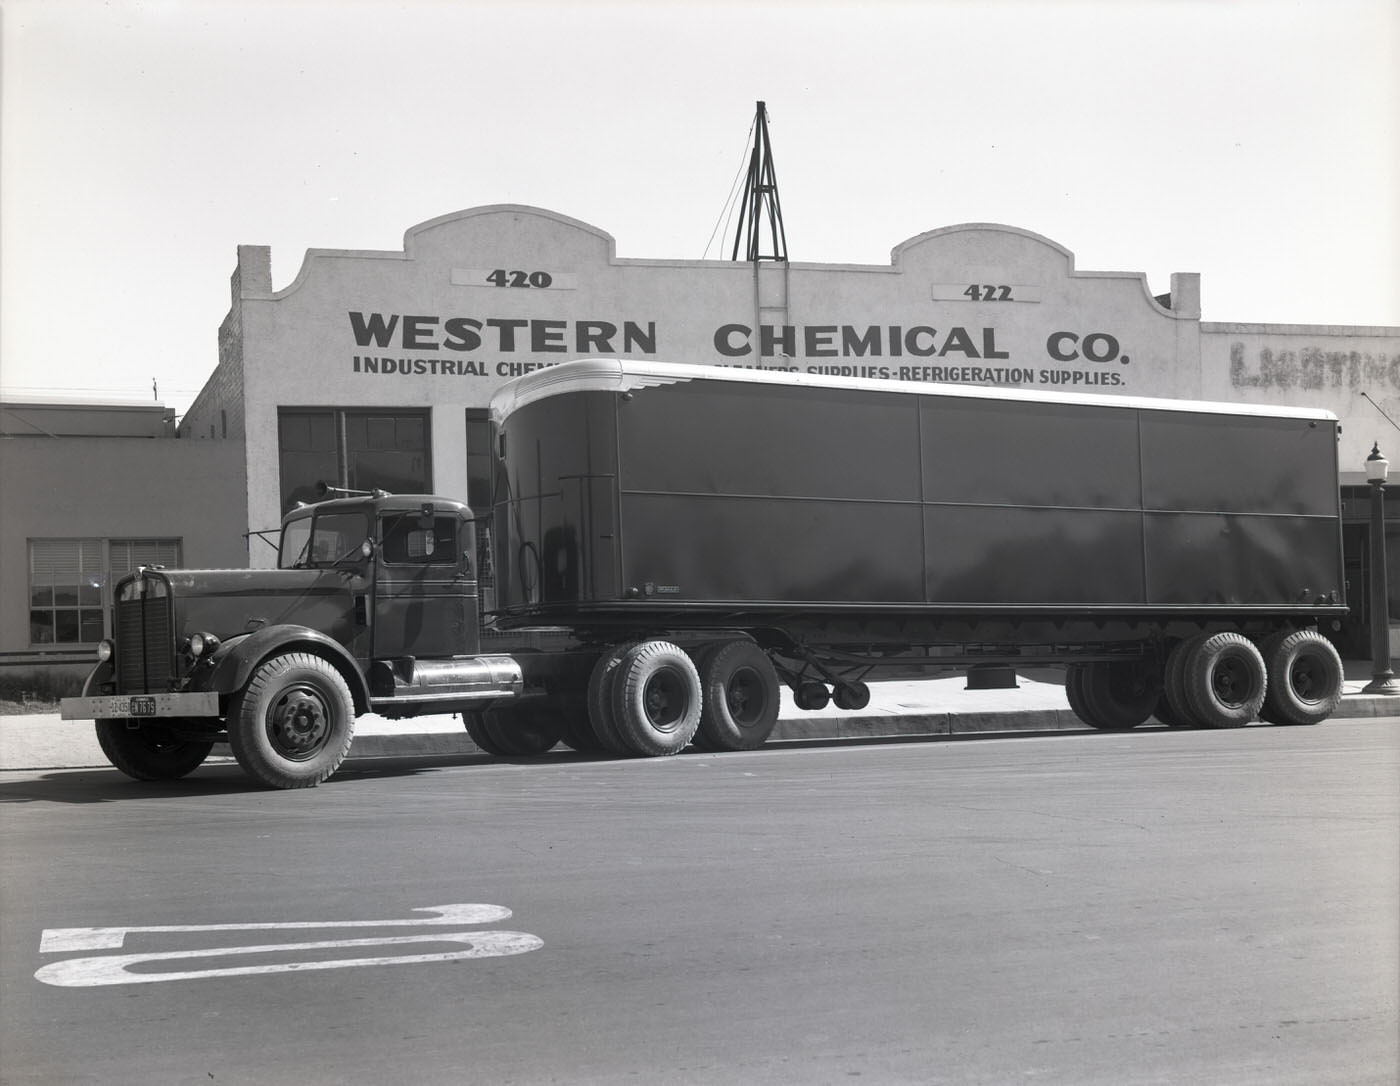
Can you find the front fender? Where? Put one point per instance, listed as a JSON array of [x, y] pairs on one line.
[[98, 679], [237, 659]]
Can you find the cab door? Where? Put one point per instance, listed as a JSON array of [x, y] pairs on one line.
[[425, 595]]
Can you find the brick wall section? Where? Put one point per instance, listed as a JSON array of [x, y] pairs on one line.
[[217, 412]]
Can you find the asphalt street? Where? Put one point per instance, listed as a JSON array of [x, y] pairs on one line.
[[1156, 907]]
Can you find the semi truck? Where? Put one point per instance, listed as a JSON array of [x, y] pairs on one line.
[[670, 546]]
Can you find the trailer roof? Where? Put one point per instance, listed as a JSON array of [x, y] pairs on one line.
[[622, 375]]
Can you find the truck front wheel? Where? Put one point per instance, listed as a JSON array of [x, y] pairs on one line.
[[292, 725], [151, 752]]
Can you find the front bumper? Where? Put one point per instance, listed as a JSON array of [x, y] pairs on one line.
[[140, 706]]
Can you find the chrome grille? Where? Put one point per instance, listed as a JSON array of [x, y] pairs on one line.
[[145, 649]]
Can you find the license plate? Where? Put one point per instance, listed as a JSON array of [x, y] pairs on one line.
[[141, 707]]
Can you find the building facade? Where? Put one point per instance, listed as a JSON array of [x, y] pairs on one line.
[[88, 493], [377, 368]]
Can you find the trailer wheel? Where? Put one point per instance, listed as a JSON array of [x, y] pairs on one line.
[[600, 700], [475, 722], [292, 724], [1179, 710], [524, 731], [740, 698], [656, 698], [1225, 680], [150, 752], [1118, 696], [1305, 678]]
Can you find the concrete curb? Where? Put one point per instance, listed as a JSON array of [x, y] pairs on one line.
[[389, 745], [44, 742]]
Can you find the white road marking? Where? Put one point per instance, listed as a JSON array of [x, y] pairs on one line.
[[115, 968], [56, 940]]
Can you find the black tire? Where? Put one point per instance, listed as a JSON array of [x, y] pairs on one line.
[[576, 731], [151, 752], [740, 696], [600, 702], [1074, 694], [1225, 680], [1180, 713], [811, 696], [292, 725], [656, 699], [1119, 696], [475, 722], [526, 730], [1305, 678], [852, 695]]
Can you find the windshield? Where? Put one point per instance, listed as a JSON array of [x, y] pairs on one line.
[[317, 542]]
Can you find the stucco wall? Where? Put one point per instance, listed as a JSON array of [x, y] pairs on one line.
[[63, 488], [1354, 372], [478, 296]]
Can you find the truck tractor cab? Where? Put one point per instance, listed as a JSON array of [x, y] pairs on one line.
[[408, 563]]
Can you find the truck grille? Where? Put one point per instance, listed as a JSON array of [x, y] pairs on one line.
[[145, 647]]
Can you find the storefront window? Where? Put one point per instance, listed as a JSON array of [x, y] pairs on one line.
[[353, 449]]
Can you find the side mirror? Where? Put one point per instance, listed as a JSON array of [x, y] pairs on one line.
[[367, 549]]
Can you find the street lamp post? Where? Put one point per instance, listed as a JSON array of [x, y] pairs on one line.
[[1382, 677]]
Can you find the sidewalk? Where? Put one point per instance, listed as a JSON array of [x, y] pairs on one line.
[[940, 706]]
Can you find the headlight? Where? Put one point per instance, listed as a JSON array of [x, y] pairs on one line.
[[105, 651], [202, 644]]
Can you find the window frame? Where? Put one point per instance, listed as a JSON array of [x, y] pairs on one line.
[[105, 574]]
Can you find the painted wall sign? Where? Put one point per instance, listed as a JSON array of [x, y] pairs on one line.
[[1313, 369], [768, 346]]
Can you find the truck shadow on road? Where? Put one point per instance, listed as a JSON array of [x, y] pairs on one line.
[[225, 778]]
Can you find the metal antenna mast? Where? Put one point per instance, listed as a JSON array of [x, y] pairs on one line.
[[761, 207]]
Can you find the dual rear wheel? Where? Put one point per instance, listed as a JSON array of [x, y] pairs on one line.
[[653, 698], [1214, 680]]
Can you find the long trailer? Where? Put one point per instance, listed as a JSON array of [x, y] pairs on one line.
[[673, 544], [849, 528]]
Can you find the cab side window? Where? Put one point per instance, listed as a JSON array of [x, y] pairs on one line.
[[413, 540]]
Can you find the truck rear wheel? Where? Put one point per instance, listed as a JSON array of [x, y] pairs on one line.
[[1225, 680], [151, 752], [292, 725], [1074, 694], [740, 696], [524, 731], [474, 720], [600, 700], [576, 730], [1305, 678], [1180, 714], [656, 698], [1118, 696]]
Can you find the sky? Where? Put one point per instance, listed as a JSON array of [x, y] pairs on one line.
[[1256, 142]]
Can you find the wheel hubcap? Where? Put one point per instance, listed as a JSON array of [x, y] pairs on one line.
[[1232, 682], [664, 701], [744, 696], [298, 723]]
